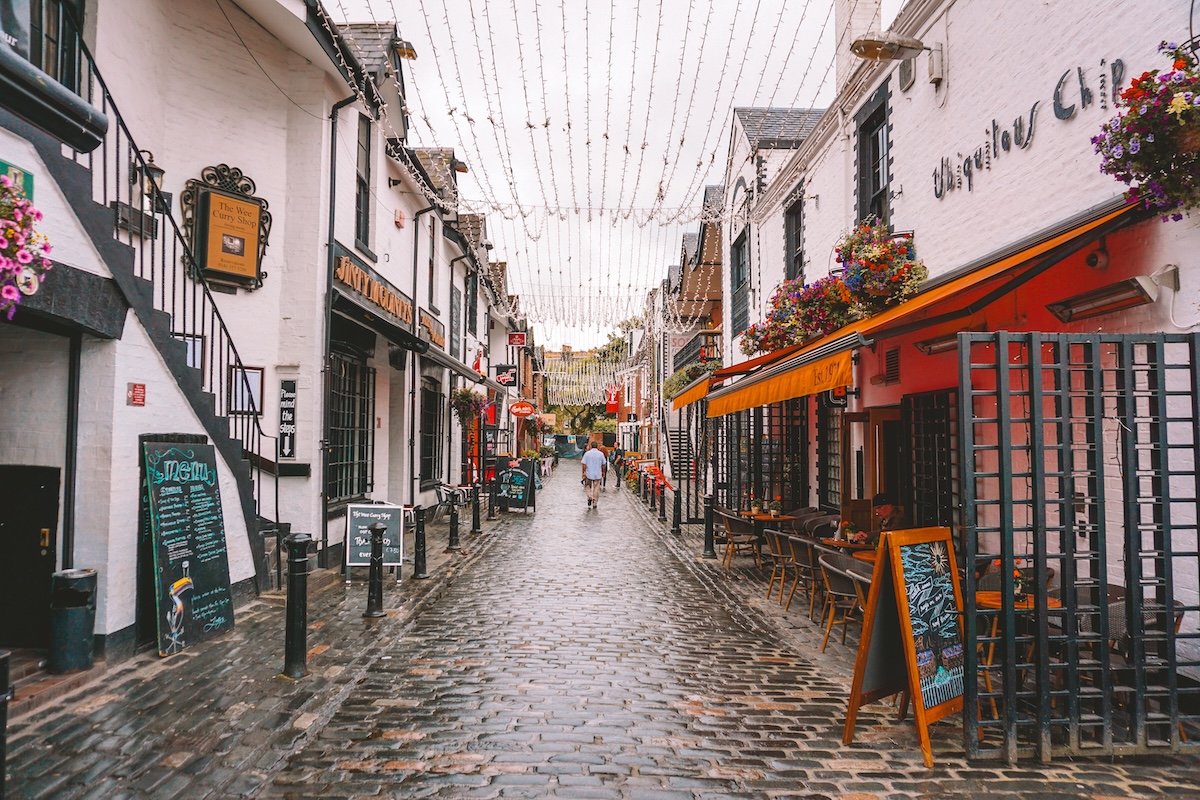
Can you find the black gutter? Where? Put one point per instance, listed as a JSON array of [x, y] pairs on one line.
[[327, 422], [71, 459], [412, 383], [45, 103]]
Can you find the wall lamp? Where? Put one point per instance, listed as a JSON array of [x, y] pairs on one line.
[[1136, 291], [404, 49], [889, 46], [944, 343]]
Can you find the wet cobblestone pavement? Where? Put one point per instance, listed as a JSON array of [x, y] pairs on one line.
[[572, 653]]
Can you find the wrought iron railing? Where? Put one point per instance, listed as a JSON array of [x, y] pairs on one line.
[[162, 256], [708, 341]]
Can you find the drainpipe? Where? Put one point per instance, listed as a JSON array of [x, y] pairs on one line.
[[412, 382], [327, 421]]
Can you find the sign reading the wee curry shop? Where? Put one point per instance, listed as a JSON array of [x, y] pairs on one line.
[[353, 277]]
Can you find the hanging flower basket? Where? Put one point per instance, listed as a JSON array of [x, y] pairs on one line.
[[467, 405], [1153, 144], [24, 253], [800, 312], [880, 268]]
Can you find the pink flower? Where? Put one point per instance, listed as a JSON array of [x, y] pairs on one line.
[[24, 257], [10, 293]]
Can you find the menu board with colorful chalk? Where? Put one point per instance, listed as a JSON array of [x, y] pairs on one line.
[[912, 636], [359, 518], [514, 487], [186, 520]]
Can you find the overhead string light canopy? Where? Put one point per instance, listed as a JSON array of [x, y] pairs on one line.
[[593, 127]]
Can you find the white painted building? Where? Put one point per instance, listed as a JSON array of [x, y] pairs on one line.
[[332, 330]]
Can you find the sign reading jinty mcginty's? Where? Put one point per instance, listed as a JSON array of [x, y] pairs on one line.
[[358, 279]]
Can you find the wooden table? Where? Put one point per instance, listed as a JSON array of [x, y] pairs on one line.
[[993, 601], [845, 545], [760, 523], [865, 555]]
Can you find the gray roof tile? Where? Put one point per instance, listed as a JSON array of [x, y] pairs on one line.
[[772, 128]]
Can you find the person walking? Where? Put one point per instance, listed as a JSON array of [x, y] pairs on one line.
[[592, 465]]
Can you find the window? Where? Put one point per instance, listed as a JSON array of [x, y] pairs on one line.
[[740, 285], [432, 416], [455, 321], [352, 428], [873, 173], [362, 195], [829, 457], [793, 223], [472, 303], [53, 44], [245, 390]]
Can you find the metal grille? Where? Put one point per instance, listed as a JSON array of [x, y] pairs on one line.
[[783, 453], [352, 429], [932, 422], [1080, 480], [829, 457]]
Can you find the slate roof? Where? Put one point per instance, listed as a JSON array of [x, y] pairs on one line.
[[372, 42], [777, 128], [690, 240], [714, 198], [674, 278], [437, 162]]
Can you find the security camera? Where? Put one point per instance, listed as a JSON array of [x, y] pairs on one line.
[[487, 245], [1097, 259]]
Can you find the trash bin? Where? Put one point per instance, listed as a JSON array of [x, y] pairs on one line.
[[72, 620]]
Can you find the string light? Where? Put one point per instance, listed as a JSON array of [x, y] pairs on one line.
[[576, 254]]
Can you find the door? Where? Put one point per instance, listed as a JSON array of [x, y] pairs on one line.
[[872, 452], [28, 533]]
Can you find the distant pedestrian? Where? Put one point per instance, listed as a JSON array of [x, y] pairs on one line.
[[604, 481], [593, 466]]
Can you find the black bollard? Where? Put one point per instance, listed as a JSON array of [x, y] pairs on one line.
[[653, 490], [419, 545], [710, 550], [492, 500], [453, 546], [375, 579], [475, 529], [295, 647], [662, 501], [677, 513], [6, 694]]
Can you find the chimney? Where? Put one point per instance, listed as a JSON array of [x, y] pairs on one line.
[[853, 18]]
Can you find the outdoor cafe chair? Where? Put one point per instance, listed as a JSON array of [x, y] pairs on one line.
[[781, 556], [739, 537], [806, 571], [840, 595]]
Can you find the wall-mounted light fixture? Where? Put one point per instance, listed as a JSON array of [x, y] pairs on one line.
[[404, 49], [394, 182], [889, 46], [149, 176], [1137, 291], [945, 342]]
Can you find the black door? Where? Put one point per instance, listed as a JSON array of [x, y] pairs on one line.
[[28, 529]]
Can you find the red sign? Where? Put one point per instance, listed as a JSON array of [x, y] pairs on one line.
[[135, 394], [516, 340], [521, 409], [612, 393]]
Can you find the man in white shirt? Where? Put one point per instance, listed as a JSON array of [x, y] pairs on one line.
[[593, 465]]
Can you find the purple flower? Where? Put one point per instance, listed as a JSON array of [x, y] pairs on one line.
[[10, 293], [1134, 147]]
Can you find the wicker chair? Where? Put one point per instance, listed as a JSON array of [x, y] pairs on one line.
[[807, 571], [841, 594], [739, 537], [781, 555]]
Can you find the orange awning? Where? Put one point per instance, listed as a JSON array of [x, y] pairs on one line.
[[771, 384], [696, 391]]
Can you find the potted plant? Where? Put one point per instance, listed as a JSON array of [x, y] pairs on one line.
[[800, 312], [24, 253], [1153, 144], [880, 268], [775, 507], [467, 405]]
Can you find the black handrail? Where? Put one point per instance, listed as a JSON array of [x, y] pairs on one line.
[[162, 256]]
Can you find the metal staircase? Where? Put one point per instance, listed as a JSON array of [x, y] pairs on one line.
[[151, 264]]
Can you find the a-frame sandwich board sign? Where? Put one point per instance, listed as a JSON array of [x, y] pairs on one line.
[[913, 618]]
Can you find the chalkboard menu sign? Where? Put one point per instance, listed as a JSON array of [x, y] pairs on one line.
[[514, 486], [192, 582], [359, 518], [912, 619]]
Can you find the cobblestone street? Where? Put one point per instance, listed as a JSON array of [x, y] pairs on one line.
[[572, 653]]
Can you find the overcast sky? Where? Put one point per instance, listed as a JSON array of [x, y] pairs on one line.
[[591, 127]]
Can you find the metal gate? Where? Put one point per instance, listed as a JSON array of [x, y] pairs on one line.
[[1079, 489]]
